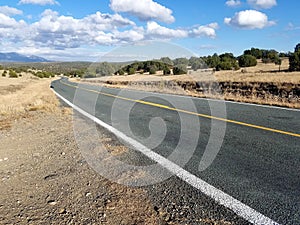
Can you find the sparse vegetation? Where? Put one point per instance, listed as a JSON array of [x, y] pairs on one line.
[[12, 74], [150, 67], [180, 69], [262, 84], [247, 61], [225, 61], [295, 59]]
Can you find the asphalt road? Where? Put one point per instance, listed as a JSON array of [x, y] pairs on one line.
[[258, 162]]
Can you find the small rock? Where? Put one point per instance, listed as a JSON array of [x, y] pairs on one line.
[[62, 211], [88, 194], [52, 202], [167, 218]]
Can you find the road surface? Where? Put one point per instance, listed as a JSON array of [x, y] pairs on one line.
[[258, 162]]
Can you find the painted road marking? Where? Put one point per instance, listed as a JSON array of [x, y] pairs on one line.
[[241, 209], [188, 112]]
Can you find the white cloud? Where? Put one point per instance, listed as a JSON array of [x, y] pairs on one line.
[[291, 26], [249, 19], [39, 2], [134, 35], [11, 30], [58, 32], [143, 9], [8, 22], [262, 4], [207, 30], [156, 31], [69, 32], [233, 3], [9, 11]]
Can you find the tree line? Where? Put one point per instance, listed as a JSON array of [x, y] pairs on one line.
[[225, 61]]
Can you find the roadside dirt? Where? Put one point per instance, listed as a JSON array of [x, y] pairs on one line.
[[43, 177]]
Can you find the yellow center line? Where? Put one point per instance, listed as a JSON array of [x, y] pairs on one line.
[[188, 112]]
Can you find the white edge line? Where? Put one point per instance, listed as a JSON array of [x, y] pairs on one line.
[[201, 98], [219, 196]]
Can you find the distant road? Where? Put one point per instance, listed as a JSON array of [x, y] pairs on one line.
[[259, 160]]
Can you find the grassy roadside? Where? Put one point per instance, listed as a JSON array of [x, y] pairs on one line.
[[263, 84], [44, 177], [21, 96]]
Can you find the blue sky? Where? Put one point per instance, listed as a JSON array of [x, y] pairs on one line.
[[84, 30]]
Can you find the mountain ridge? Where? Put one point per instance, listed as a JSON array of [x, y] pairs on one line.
[[16, 57]]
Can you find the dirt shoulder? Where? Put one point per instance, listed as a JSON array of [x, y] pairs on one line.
[[44, 178]]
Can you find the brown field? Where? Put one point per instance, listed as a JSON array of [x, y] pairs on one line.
[[250, 85], [20, 96]]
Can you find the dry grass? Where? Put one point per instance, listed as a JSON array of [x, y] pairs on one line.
[[23, 95], [253, 76], [261, 73]]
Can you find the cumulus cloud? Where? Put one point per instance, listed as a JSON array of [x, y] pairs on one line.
[[207, 30], [39, 2], [233, 3], [157, 31], [60, 32], [143, 9], [249, 19], [66, 31], [11, 29], [128, 36], [262, 4], [8, 22], [9, 11]]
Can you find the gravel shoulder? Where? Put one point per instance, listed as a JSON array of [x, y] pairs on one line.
[[45, 180]]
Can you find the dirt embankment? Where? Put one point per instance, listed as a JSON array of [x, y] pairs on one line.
[[263, 84], [269, 93]]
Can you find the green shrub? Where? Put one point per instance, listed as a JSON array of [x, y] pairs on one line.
[[131, 71], [179, 70], [13, 74], [167, 71], [247, 61], [295, 59]]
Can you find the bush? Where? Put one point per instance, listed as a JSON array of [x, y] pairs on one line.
[[131, 71], [167, 71], [295, 61], [13, 74], [180, 69], [152, 71], [247, 61], [121, 72]]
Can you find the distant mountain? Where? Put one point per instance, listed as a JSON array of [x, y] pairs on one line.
[[15, 57]]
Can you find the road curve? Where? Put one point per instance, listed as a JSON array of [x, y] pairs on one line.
[[258, 162]]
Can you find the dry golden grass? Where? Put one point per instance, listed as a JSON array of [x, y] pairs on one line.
[[261, 73], [252, 76], [30, 95]]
